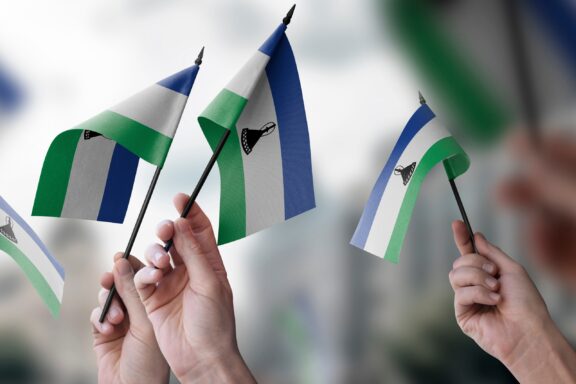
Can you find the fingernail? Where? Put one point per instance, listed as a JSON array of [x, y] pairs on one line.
[[114, 313], [124, 267], [106, 327], [495, 296], [157, 256], [162, 224], [488, 267], [152, 272], [491, 282]]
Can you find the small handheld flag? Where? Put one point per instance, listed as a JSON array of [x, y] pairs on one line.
[[20, 241], [422, 145], [181, 82], [89, 171], [265, 167]]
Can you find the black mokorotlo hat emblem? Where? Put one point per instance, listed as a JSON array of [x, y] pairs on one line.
[[251, 136], [90, 134], [8, 231], [406, 173]]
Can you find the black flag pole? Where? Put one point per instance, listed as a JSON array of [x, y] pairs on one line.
[[457, 197], [139, 220], [521, 62], [215, 156]]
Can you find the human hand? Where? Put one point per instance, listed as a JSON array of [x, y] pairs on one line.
[[190, 302], [546, 191], [497, 305], [125, 345]]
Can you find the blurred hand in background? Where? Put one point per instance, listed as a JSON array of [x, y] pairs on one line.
[[498, 306], [546, 192], [190, 302], [125, 345]]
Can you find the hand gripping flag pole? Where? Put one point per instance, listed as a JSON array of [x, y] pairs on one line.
[[457, 197], [140, 218], [215, 156]]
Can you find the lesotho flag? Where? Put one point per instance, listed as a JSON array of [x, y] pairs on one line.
[[20, 241], [265, 166], [423, 144], [89, 171]]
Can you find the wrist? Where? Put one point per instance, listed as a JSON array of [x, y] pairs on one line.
[[229, 368], [543, 356]]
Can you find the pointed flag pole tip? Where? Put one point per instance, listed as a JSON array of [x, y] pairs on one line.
[[200, 57], [421, 97], [289, 15]]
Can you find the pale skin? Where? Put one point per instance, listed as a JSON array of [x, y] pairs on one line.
[[188, 299], [497, 305], [546, 193], [125, 345]]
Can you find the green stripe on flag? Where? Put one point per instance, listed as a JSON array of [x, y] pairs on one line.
[[446, 149], [222, 114], [35, 277], [144, 142], [475, 106], [55, 175]]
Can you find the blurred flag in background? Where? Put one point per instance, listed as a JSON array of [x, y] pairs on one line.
[[11, 94], [490, 64]]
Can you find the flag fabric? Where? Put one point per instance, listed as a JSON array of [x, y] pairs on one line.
[[89, 171], [472, 101], [265, 166], [11, 95], [424, 142], [19, 241]]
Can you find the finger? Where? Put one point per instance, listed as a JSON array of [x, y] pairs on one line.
[[194, 249], [104, 328], [556, 188], [495, 254], [202, 228], [470, 276], [145, 282], [165, 232], [124, 278], [517, 193], [107, 280], [462, 238], [468, 296], [134, 262], [157, 257], [476, 261], [115, 314]]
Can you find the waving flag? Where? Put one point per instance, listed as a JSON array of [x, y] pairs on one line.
[[423, 144], [89, 171], [18, 240], [265, 167]]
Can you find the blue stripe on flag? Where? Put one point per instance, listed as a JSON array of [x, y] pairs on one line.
[[270, 45], [422, 116], [182, 81], [24, 225], [10, 94], [559, 16], [119, 185], [294, 139]]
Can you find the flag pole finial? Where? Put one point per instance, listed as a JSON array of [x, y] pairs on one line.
[[289, 15], [421, 97], [200, 57]]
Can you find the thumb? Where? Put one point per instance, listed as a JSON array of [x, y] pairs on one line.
[[124, 281], [193, 250], [495, 254], [462, 238]]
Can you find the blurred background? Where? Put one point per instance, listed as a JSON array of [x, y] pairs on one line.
[[310, 307]]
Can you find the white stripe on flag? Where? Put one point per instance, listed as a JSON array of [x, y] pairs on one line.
[[393, 197], [263, 177], [244, 83], [37, 257], [88, 178], [156, 107]]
